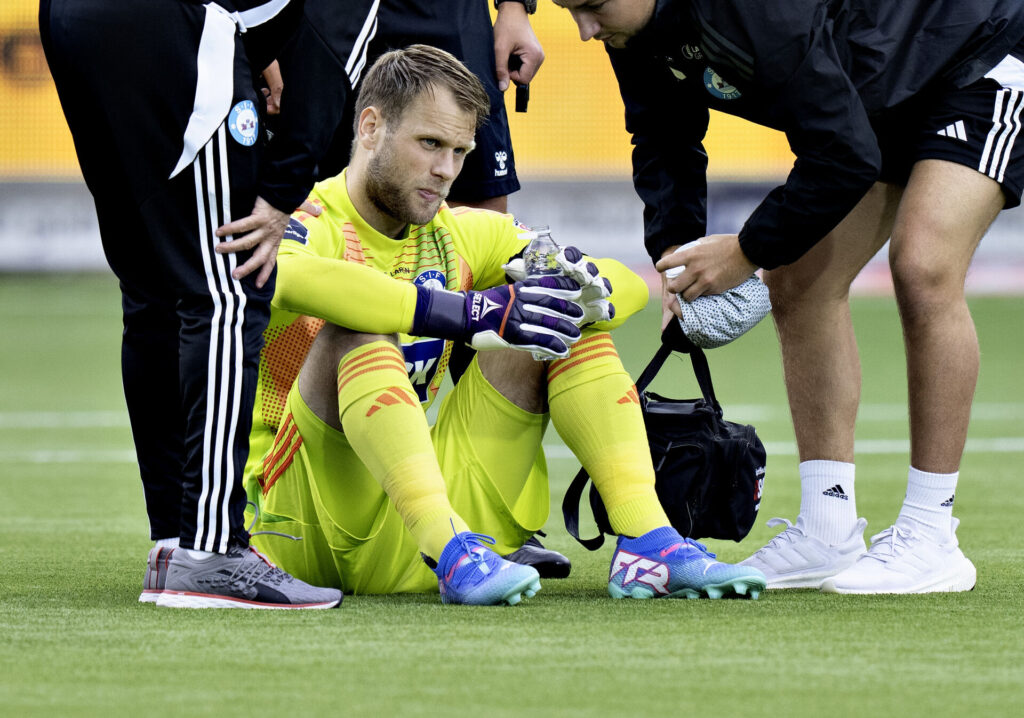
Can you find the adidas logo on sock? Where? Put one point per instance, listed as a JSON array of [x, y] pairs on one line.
[[837, 492], [948, 502]]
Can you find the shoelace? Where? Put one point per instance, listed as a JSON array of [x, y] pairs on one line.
[[255, 518], [790, 535], [474, 556], [256, 568], [702, 547], [891, 543], [263, 568]]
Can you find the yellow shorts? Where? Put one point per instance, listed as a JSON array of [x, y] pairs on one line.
[[313, 485]]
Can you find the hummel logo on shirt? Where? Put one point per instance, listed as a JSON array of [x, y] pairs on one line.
[[837, 492], [948, 502], [955, 130]]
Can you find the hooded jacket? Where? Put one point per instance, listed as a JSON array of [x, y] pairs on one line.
[[817, 70]]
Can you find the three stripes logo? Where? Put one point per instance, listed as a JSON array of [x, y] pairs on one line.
[[1006, 125], [390, 397], [836, 492], [948, 502], [630, 397], [955, 131]]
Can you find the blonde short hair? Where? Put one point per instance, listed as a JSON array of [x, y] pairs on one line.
[[399, 76]]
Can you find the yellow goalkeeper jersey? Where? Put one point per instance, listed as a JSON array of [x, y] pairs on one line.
[[337, 268]]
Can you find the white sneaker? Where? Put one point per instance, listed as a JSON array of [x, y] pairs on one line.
[[794, 559], [901, 561]]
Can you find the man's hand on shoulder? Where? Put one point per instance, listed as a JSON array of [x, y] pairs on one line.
[[261, 231]]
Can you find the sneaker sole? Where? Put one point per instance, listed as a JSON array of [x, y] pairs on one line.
[[740, 588], [527, 588], [149, 596], [806, 578], [178, 599], [802, 581], [963, 580]]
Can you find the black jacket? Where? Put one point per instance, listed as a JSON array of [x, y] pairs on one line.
[[817, 70]]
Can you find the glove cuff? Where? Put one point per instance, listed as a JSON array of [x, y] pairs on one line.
[[440, 314]]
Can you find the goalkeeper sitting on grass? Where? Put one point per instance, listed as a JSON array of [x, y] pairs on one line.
[[372, 295]]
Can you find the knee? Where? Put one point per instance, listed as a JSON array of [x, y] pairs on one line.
[[794, 295], [517, 376], [924, 284], [339, 341]]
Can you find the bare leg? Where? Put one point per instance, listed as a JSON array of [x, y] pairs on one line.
[[518, 377], [811, 310], [318, 380], [946, 210]]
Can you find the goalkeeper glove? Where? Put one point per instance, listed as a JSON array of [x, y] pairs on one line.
[[538, 314], [594, 288]]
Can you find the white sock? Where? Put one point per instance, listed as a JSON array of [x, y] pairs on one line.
[[168, 543], [928, 506], [200, 555], [828, 507]]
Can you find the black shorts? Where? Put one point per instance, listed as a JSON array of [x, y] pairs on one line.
[[977, 126], [463, 28]]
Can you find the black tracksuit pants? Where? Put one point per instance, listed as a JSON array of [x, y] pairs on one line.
[[126, 73]]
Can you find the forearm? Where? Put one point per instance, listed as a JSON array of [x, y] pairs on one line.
[[349, 295]]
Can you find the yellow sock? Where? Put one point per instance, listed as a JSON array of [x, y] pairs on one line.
[[386, 426], [595, 408]]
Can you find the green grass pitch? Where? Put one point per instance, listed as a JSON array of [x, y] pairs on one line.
[[74, 641]]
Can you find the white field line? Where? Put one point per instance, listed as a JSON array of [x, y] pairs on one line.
[[863, 447], [753, 413], [747, 413], [62, 419], [1003, 445]]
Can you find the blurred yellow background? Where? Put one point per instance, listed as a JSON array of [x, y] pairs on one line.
[[573, 130]]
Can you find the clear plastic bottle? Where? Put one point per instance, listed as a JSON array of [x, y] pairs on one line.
[[540, 255], [541, 259]]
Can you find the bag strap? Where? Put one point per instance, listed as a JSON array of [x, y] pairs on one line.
[[571, 511], [673, 339]]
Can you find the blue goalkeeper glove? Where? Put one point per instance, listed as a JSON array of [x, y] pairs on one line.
[[538, 314]]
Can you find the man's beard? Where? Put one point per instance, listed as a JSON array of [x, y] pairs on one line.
[[387, 195]]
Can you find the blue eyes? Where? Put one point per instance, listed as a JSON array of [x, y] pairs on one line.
[[436, 144]]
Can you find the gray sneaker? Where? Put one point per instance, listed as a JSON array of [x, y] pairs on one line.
[[156, 574], [241, 578]]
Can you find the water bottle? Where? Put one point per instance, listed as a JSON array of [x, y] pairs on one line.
[[541, 259], [541, 254]]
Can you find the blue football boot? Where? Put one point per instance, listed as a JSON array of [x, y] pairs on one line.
[[663, 564], [470, 573]]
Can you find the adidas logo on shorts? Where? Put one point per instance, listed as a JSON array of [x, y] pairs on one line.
[[955, 131]]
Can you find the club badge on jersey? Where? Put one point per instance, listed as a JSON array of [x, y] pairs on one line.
[[423, 355], [719, 87], [244, 123]]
